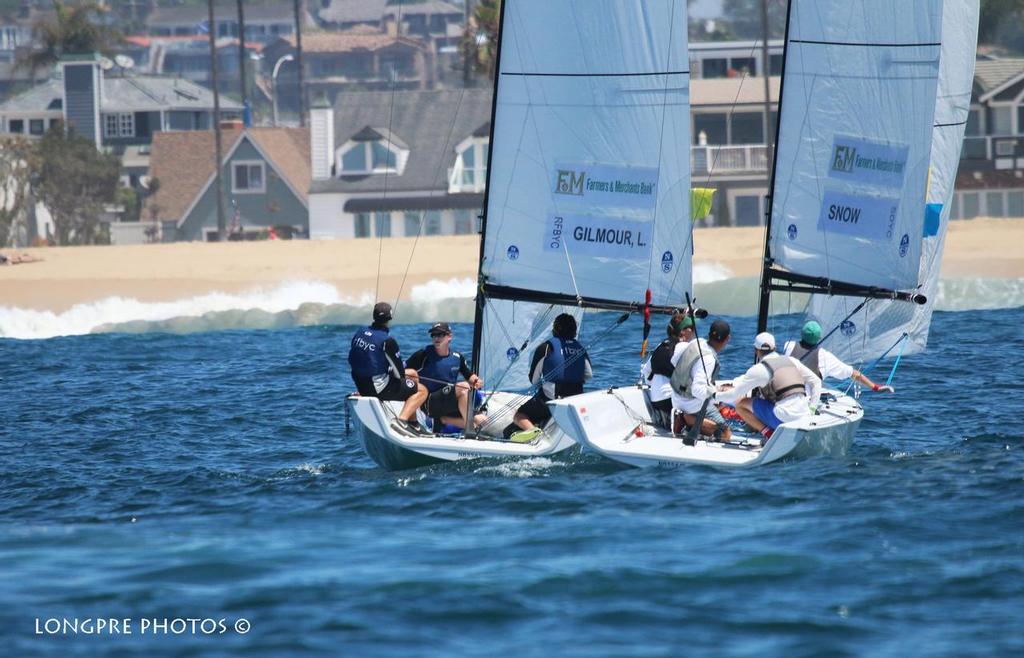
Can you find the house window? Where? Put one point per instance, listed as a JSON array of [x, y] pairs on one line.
[[412, 223], [712, 125], [1015, 203], [995, 204], [362, 225], [470, 171], [463, 221], [432, 223], [247, 178], [120, 124], [970, 205], [714, 67], [382, 224], [747, 128], [742, 65], [16, 126], [369, 158], [36, 126]]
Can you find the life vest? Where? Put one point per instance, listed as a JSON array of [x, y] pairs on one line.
[[443, 368], [810, 360], [366, 356], [661, 359], [681, 380], [785, 378], [565, 362]]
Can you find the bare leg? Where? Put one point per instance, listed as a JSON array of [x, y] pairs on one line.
[[522, 421], [745, 408], [413, 403]]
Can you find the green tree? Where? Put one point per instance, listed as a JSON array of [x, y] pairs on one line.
[[480, 42], [1002, 24], [74, 181], [17, 164], [77, 29], [743, 18]]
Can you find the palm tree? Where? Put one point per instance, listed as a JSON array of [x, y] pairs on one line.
[[72, 30]]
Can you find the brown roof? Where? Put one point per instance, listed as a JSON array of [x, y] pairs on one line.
[[183, 163], [349, 40]]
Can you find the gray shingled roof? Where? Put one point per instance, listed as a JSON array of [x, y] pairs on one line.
[[353, 11], [224, 12], [991, 73], [432, 123], [136, 93]]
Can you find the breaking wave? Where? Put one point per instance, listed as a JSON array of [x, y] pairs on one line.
[[306, 303]]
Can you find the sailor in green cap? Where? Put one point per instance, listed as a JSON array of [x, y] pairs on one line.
[[822, 362]]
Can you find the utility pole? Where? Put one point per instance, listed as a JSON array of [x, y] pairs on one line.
[[242, 57], [298, 62], [222, 226], [766, 69]]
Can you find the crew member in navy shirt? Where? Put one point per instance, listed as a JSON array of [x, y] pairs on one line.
[[559, 367], [438, 368], [377, 371]]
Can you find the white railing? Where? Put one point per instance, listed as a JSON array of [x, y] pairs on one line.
[[463, 180], [726, 159]]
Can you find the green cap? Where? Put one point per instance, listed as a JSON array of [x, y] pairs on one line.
[[811, 333]]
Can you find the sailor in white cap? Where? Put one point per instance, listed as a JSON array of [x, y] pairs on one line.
[[786, 388]]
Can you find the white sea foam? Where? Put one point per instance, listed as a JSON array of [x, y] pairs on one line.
[[305, 303]]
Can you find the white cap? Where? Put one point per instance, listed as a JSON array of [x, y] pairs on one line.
[[764, 341]]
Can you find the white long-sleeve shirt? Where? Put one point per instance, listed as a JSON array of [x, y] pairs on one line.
[[701, 387], [828, 363], [789, 409]]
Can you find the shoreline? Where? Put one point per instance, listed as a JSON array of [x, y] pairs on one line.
[[67, 276]]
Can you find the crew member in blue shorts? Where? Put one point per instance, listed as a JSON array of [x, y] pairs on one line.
[[377, 371], [786, 389], [559, 367]]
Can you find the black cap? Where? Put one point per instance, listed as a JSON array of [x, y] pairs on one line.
[[382, 312], [439, 328], [720, 330]]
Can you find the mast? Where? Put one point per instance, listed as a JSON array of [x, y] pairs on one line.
[[766, 263], [478, 317]]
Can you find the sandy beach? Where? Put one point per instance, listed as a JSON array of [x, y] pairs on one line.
[[65, 276]]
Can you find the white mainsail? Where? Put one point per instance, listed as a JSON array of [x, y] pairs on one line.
[[881, 323], [588, 184]]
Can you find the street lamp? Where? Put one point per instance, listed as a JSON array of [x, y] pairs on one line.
[[273, 80]]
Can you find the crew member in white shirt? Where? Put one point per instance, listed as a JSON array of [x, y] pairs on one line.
[[786, 389], [693, 382], [822, 362]]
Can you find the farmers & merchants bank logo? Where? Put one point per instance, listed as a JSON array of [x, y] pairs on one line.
[[843, 158], [570, 182]]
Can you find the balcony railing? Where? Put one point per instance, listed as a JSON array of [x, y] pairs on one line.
[[719, 159], [466, 180], [1003, 151]]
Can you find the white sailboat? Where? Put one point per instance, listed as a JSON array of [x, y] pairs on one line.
[[587, 203], [861, 87]]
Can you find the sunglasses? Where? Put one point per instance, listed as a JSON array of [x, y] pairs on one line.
[[438, 335]]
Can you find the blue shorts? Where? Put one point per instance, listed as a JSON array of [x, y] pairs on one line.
[[765, 412]]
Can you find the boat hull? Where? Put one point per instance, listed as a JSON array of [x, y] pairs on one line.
[[395, 450], [617, 424]]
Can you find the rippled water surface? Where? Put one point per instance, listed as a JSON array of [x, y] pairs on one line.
[[211, 476]]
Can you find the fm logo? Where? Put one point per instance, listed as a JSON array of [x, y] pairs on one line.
[[843, 158], [569, 182]]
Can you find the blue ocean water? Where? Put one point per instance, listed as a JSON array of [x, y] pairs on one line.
[[162, 478]]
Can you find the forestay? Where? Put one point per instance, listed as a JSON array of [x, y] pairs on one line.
[[588, 189], [881, 323], [855, 140]]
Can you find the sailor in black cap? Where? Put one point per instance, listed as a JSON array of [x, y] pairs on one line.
[[439, 368], [377, 371]]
